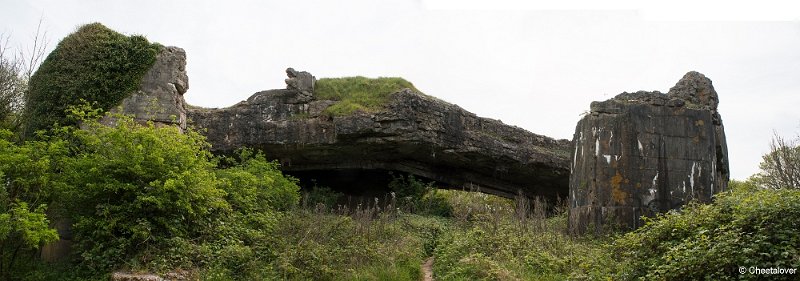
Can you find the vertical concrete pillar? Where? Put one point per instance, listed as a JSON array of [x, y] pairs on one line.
[[643, 153]]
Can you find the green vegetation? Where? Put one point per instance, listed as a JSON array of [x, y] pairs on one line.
[[143, 198], [358, 93], [364, 243], [140, 197], [149, 187], [418, 197], [16, 66], [747, 227], [780, 167], [13, 85], [484, 237], [500, 239], [28, 178], [95, 64], [150, 199]]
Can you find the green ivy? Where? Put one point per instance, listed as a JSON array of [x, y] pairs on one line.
[[95, 64]]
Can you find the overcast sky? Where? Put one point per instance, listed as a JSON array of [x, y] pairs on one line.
[[532, 65]]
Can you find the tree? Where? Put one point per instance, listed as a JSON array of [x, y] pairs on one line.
[[28, 182], [780, 168], [16, 68]]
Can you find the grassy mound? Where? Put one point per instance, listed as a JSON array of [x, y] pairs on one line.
[[95, 64], [358, 93]]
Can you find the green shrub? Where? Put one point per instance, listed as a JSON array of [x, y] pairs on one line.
[[321, 195], [255, 184], [358, 93], [744, 227], [258, 194], [408, 188], [134, 188], [95, 64], [435, 203], [472, 205]]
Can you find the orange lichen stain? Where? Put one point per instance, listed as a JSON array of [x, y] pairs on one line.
[[617, 194], [616, 180], [699, 123]]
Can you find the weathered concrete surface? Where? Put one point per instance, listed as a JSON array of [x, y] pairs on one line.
[[160, 96], [415, 133], [643, 153]]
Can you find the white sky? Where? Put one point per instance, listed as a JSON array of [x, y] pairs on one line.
[[536, 65]]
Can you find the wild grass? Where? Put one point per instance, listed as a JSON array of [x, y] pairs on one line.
[[480, 237], [494, 238], [358, 93], [366, 239]]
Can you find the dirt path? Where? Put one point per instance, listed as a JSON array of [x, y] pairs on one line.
[[427, 270]]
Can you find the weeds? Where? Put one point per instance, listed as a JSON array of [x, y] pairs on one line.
[[494, 238], [482, 237]]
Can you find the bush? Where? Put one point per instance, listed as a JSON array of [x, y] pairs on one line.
[[358, 93], [435, 203], [255, 184], [134, 188], [153, 198], [258, 194], [95, 64], [746, 227], [408, 189], [321, 195]]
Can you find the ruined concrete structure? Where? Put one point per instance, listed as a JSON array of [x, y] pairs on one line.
[[636, 154], [643, 153], [160, 95], [414, 133]]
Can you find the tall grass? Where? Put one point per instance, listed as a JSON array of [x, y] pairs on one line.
[[481, 237], [363, 239], [494, 238]]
